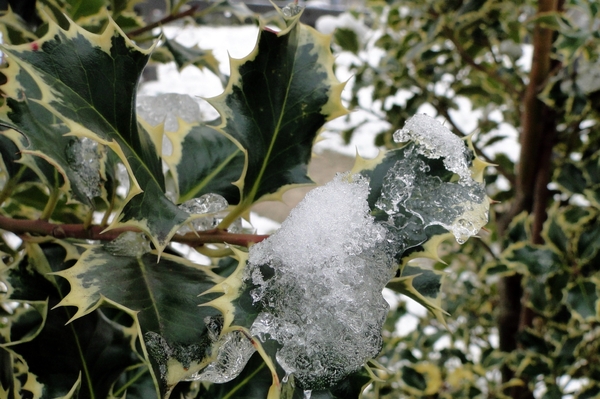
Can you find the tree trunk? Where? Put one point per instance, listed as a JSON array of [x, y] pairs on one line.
[[538, 132]]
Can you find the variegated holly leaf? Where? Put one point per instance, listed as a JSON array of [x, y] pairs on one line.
[[14, 30], [423, 286], [49, 358], [277, 99], [72, 94], [163, 296], [204, 161], [184, 56]]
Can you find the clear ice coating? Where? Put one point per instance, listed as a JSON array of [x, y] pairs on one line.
[[129, 244], [84, 157], [211, 205], [318, 283], [234, 350], [411, 196]]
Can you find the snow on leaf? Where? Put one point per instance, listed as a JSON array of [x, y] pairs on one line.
[[277, 99], [72, 84], [319, 294]]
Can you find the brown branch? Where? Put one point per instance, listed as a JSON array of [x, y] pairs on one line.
[[194, 239], [538, 131], [169, 18]]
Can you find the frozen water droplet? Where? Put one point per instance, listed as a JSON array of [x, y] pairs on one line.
[[291, 10], [211, 205], [318, 283], [208, 203], [233, 350], [84, 157], [129, 244]]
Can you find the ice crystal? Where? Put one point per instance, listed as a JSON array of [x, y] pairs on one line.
[[318, 283], [415, 198], [211, 205], [291, 10], [84, 157], [129, 244]]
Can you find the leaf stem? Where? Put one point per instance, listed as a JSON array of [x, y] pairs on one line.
[[10, 185], [51, 204], [136, 377]]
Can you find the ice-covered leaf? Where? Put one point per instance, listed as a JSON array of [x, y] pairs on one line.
[[430, 187], [277, 99], [71, 86], [162, 293]]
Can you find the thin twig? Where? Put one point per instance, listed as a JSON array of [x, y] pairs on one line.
[[164, 21], [194, 239]]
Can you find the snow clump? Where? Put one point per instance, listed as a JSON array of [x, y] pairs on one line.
[[318, 282]]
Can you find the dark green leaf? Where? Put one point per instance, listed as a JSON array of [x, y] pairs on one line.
[[277, 99], [582, 298], [205, 161], [347, 39], [413, 378], [184, 56], [164, 296]]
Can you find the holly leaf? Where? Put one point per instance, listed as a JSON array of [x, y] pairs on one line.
[[163, 297], [184, 56], [71, 86], [204, 161], [423, 286], [93, 347], [14, 30], [277, 99]]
